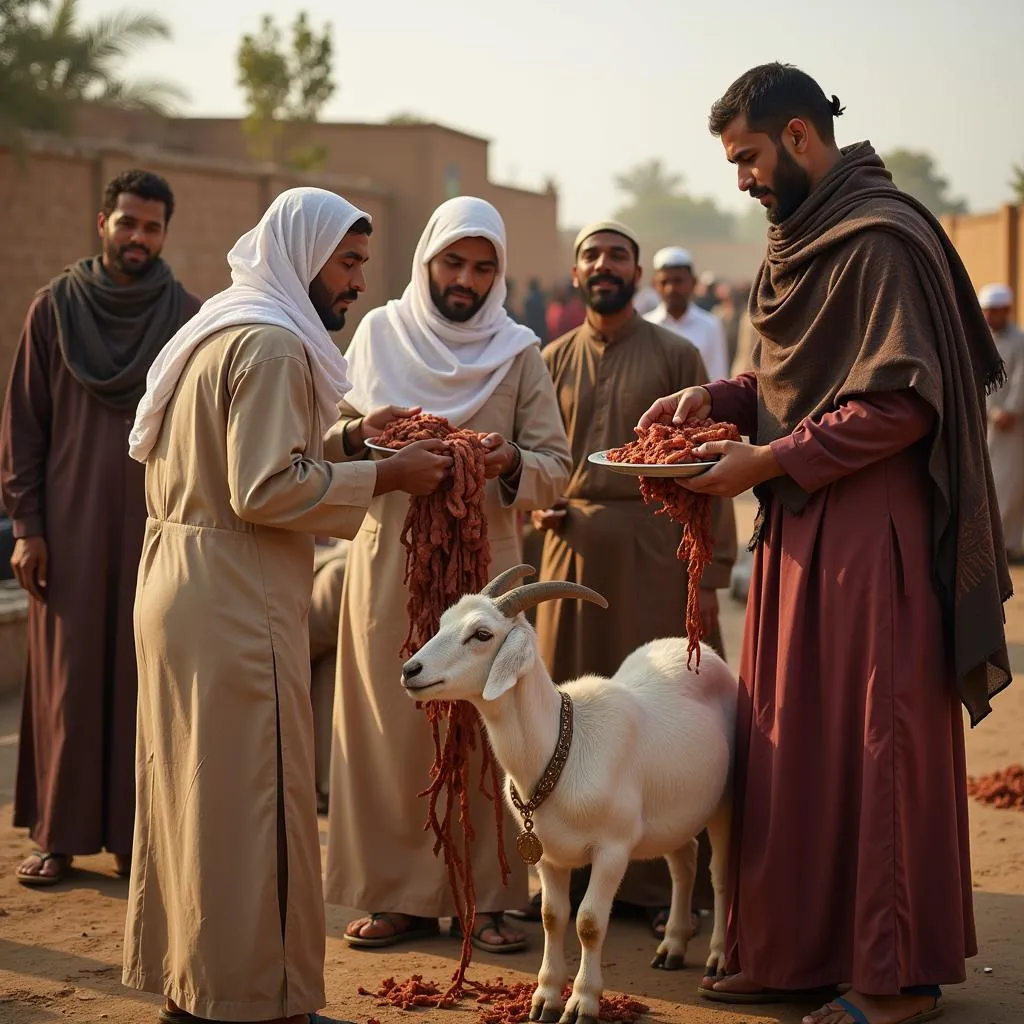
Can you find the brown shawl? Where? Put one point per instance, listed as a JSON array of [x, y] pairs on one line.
[[109, 334], [862, 292]]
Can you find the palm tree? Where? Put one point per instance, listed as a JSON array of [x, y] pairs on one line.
[[50, 63], [1017, 183]]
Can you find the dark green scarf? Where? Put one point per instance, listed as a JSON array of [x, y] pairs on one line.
[[109, 334]]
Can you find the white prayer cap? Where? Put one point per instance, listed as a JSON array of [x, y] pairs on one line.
[[995, 296], [672, 256], [615, 227]]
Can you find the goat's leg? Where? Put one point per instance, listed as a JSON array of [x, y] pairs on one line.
[[682, 865], [606, 871], [554, 972], [719, 832]]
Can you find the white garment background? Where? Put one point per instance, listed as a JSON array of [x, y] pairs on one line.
[[704, 331], [407, 353], [272, 267]]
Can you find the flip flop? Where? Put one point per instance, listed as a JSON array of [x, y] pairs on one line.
[[483, 922], [858, 1016], [768, 996], [181, 1017], [419, 928], [45, 880]]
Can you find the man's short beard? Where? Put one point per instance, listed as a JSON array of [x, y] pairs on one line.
[[458, 316], [792, 186], [323, 302], [610, 303], [113, 256]]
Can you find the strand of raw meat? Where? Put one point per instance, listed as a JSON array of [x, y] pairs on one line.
[[448, 556], [1003, 789], [666, 445]]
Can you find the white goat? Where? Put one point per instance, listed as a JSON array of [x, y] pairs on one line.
[[647, 770]]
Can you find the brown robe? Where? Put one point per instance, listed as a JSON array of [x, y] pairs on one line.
[[850, 855], [379, 856], [610, 540], [225, 907], [66, 476]]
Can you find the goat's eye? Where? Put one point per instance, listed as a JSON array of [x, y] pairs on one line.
[[483, 635]]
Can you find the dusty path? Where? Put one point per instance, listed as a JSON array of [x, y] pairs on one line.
[[60, 950]]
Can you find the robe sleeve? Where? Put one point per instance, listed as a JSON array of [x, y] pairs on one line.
[[861, 431], [271, 480], [334, 440], [25, 424], [540, 435], [735, 401]]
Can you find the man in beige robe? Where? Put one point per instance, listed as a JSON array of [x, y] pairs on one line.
[[447, 345], [225, 912], [601, 534]]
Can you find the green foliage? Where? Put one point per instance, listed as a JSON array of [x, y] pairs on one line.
[[1017, 183], [916, 173], [50, 63], [285, 89]]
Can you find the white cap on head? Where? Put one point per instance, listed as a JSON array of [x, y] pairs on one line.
[[995, 296], [672, 256]]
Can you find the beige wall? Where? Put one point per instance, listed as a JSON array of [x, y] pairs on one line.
[[52, 202], [992, 247], [531, 225]]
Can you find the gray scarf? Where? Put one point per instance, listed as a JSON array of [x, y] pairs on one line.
[[109, 334]]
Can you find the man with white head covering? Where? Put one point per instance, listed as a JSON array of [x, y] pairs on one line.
[[674, 281], [449, 346], [225, 911], [1006, 417]]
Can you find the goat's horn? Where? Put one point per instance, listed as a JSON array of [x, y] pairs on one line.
[[532, 594], [504, 580]]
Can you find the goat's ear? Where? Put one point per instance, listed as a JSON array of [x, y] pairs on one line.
[[513, 661]]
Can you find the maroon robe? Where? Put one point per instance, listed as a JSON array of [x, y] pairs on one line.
[[850, 858], [66, 475]]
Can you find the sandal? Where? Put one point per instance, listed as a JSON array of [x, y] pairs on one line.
[[858, 1016], [61, 859], [416, 928], [767, 996], [485, 922]]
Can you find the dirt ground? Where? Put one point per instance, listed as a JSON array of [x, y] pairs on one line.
[[60, 949]]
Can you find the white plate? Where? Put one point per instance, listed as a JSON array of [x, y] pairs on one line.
[[380, 448], [680, 470]]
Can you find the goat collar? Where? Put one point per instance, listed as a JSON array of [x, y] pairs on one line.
[[527, 843]]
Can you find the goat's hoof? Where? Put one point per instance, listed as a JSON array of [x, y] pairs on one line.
[[550, 1017], [574, 1017], [715, 966], [669, 961]]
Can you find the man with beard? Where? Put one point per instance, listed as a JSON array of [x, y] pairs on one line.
[[879, 574], [225, 909], [79, 509], [449, 346], [601, 534]]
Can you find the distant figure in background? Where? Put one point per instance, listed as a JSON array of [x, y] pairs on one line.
[[646, 299], [566, 313], [535, 311], [78, 508], [1006, 418], [510, 302], [674, 281], [728, 312], [704, 294], [329, 562]]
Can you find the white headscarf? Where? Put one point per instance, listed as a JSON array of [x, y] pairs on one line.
[[408, 353], [272, 267]]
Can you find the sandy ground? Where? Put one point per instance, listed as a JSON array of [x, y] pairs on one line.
[[60, 949]]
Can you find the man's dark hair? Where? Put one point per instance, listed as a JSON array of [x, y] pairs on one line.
[[143, 184], [361, 227], [770, 96]]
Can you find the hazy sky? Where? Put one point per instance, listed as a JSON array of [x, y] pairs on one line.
[[582, 90]]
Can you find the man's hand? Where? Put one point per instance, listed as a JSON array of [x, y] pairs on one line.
[[29, 562], [740, 467], [550, 518], [708, 600], [501, 458], [1003, 420], [419, 468], [377, 419], [678, 408]]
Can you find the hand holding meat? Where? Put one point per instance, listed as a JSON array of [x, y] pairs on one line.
[[419, 468], [740, 466], [550, 518], [690, 403], [502, 456], [377, 419]]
